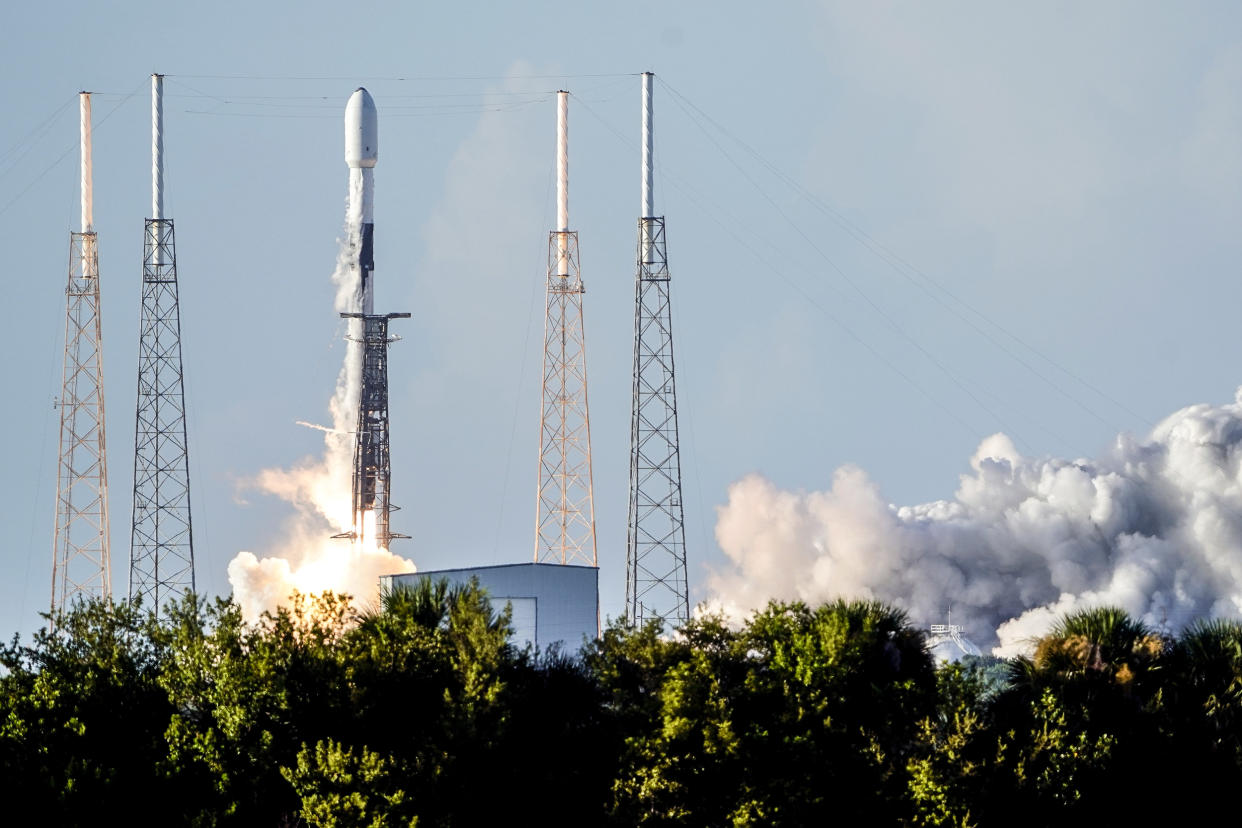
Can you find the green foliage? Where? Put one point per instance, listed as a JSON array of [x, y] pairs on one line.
[[1105, 645], [419, 711], [992, 673], [800, 715], [947, 769], [343, 789], [81, 712], [1208, 659]]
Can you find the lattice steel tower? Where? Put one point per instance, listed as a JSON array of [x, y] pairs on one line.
[[564, 506], [655, 582], [372, 480], [161, 550], [81, 565]]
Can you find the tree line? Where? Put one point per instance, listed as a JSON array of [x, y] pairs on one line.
[[419, 711]]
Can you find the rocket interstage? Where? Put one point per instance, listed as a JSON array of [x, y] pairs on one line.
[[368, 333]]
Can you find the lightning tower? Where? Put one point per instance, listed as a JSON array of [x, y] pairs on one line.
[[372, 472], [655, 582], [564, 507], [161, 551], [80, 557]]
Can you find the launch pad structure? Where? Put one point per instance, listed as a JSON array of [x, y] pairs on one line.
[[372, 475]]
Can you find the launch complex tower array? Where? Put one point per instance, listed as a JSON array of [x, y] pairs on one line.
[[161, 558], [161, 542], [656, 581]]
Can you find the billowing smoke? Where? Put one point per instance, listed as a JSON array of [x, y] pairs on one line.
[[307, 559], [1154, 527]]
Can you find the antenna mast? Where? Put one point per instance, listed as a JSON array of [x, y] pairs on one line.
[[655, 581], [161, 550], [81, 563], [564, 504]]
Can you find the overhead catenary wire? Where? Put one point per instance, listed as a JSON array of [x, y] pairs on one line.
[[410, 78], [440, 104], [535, 285], [10, 157], [897, 329], [711, 210], [708, 211], [429, 112], [905, 269], [71, 148]]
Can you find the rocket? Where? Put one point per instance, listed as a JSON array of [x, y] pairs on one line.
[[361, 153], [372, 471]]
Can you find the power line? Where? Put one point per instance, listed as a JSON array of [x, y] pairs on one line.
[[68, 150], [904, 269], [410, 78], [708, 210]]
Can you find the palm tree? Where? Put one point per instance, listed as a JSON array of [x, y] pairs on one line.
[[1102, 644], [1207, 660], [425, 603]]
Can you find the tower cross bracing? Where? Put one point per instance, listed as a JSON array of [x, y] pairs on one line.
[[565, 527], [81, 561], [161, 539], [656, 583]]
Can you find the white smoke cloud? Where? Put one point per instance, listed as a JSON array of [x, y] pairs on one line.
[[308, 559], [1154, 527]]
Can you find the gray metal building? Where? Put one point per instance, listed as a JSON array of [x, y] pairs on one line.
[[553, 604]]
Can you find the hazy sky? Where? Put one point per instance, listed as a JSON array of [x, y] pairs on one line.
[[894, 229]]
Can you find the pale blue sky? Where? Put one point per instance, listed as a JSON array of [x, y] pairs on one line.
[[1068, 172]]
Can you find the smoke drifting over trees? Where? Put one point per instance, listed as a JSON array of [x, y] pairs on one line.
[[1154, 526]]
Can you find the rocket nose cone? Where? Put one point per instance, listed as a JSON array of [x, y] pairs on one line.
[[361, 130]]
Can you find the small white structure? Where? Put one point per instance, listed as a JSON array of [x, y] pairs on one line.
[[553, 604], [947, 643]]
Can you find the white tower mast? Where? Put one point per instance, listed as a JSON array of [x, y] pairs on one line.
[[81, 561], [564, 504]]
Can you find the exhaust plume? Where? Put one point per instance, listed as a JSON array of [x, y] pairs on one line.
[[308, 559], [1154, 527]]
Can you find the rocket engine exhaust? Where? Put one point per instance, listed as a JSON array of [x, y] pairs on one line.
[[345, 490]]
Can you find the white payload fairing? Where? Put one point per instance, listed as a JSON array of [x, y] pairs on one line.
[[361, 153]]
